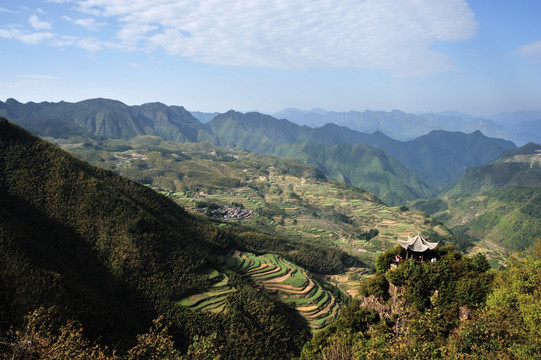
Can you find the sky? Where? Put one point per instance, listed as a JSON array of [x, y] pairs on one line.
[[479, 57]]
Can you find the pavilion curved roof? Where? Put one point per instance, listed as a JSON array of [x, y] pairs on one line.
[[418, 244]]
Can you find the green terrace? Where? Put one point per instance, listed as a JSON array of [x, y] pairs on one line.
[[318, 302]]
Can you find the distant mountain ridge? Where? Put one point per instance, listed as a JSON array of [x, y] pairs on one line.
[[402, 171], [405, 126], [109, 119], [435, 159]]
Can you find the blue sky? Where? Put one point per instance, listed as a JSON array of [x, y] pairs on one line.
[[480, 57]]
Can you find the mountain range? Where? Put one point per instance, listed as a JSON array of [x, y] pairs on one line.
[[519, 127], [411, 169], [396, 171], [108, 119], [499, 201], [113, 255]]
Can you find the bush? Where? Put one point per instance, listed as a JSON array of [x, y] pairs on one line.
[[377, 286]]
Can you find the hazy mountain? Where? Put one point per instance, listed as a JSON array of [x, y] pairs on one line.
[[405, 126], [312, 118], [204, 117], [513, 118]]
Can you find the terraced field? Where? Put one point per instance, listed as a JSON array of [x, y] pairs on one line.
[[324, 213], [213, 298], [292, 284], [286, 198], [275, 275]]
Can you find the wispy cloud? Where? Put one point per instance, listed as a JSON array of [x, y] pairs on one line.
[[531, 51], [7, 10], [377, 34], [38, 24], [25, 36], [87, 22], [390, 35]]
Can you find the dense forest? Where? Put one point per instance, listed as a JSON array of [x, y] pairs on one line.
[[94, 266], [454, 308], [91, 251]]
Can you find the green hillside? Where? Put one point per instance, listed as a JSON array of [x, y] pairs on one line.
[[453, 308], [281, 197], [113, 255], [362, 166], [497, 202], [399, 172], [107, 118]]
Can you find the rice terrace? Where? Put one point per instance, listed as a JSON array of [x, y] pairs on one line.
[[316, 301]]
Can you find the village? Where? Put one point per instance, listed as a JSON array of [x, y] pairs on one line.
[[225, 212]]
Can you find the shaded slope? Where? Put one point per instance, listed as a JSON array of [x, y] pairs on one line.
[[114, 254]]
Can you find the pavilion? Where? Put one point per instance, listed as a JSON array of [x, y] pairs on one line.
[[417, 246]]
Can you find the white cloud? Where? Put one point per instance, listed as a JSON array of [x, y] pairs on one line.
[[531, 51], [92, 44], [26, 37], [87, 22], [37, 24], [373, 34], [65, 40], [376, 34]]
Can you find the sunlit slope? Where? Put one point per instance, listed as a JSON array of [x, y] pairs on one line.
[[287, 198], [274, 275], [498, 202]]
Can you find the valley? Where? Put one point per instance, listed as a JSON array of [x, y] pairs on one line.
[[284, 198], [270, 239]]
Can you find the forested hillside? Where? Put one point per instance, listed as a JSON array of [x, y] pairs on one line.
[[107, 118], [97, 259], [497, 202], [113, 255], [454, 308], [280, 196], [362, 166]]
